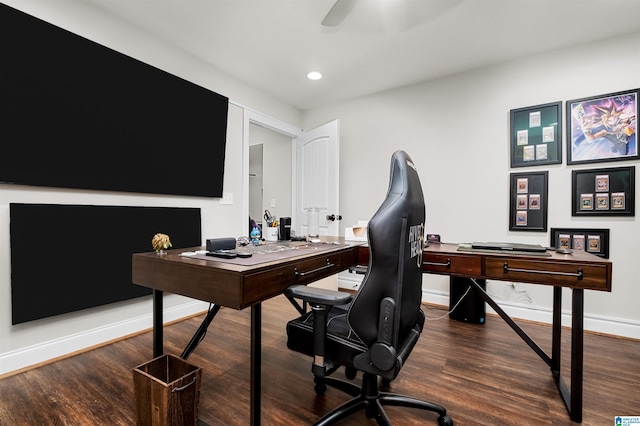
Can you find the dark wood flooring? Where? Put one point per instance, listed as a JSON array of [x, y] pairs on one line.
[[483, 375]]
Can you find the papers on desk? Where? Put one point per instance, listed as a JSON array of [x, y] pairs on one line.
[[193, 253]]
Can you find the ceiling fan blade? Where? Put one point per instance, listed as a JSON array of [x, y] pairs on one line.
[[338, 12]]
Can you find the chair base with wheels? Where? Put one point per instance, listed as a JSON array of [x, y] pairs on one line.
[[371, 400]]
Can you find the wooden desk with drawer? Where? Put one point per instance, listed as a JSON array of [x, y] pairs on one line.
[[578, 271], [238, 284]]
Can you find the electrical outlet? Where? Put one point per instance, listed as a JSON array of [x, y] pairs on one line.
[[227, 198], [273, 202]]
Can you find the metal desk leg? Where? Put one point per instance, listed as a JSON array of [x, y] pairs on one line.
[[577, 353], [157, 324], [200, 332], [256, 361], [556, 332], [572, 398]]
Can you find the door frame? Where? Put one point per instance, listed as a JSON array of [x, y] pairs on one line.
[[254, 117]]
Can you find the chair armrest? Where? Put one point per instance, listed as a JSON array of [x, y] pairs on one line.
[[318, 296], [359, 269], [322, 300]]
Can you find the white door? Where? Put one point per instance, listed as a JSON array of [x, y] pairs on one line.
[[316, 179]]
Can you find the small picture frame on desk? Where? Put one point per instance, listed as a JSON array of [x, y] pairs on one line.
[[536, 135], [528, 201], [591, 240]]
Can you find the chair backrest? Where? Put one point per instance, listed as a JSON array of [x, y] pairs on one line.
[[395, 234]]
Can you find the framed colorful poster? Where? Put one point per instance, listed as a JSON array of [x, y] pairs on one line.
[[536, 134], [602, 128]]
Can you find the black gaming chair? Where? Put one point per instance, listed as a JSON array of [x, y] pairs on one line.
[[376, 331]]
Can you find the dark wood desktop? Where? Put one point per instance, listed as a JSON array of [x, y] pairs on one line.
[[240, 286], [578, 271]]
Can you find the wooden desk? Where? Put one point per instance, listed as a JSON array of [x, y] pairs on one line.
[[236, 284], [579, 271], [239, 286]]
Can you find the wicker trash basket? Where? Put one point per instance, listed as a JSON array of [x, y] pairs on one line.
[[166, 391]]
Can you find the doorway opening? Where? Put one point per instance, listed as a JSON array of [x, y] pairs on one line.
[[270, 174], [279, 136]]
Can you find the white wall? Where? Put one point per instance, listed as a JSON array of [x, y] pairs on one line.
[[457, 132], [30, 343]]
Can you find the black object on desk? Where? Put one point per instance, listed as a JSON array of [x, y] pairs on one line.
[[216, 244], [225, 254], [284, 233]]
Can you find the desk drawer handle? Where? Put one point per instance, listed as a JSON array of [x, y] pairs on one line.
[[533, 271], [446, 265], [329, 265]]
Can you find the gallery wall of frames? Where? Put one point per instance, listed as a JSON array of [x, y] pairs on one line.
[[599, 129]]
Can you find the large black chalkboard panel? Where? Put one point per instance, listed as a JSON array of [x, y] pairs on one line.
[[76, 114], [65, 258]]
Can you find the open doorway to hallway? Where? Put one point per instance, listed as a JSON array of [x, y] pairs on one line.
[[269, 173]]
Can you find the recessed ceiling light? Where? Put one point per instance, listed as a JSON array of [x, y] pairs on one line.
[[314, 75]]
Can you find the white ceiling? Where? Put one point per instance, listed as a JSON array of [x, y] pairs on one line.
[[380, 45]]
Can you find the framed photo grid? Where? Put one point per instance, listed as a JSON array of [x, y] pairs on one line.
[[602, 128], [528, 201], [591, 240], [603, 192], [536, 135]]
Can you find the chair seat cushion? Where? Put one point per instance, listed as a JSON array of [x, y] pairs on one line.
[[341, 344]]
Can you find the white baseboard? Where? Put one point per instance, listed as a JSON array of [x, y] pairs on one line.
[[45, 351], [599, 324]]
